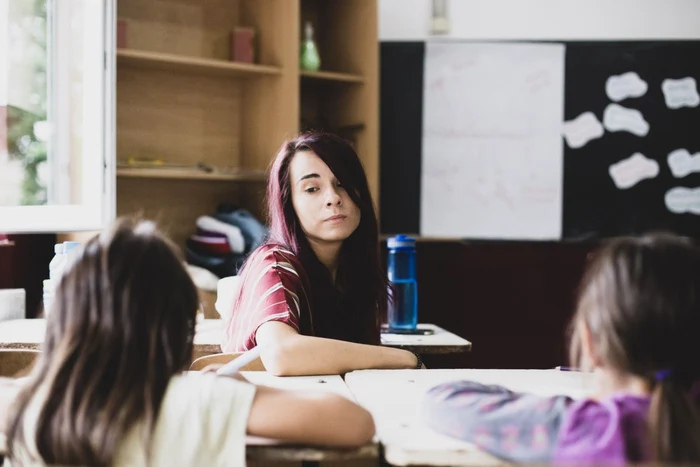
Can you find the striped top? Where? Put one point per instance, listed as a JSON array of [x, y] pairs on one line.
[[274, 291]]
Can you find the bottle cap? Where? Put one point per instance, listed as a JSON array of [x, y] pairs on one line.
[[58, 248], [401, 241], [68, 246]]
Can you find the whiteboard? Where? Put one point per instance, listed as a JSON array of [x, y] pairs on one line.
[[492, 155]]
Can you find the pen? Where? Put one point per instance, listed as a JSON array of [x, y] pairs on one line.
[[567, 368], [236, 364]]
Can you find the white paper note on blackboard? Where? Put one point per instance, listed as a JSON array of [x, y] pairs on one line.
[[492, 164]]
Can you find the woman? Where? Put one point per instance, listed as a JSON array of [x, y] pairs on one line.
[[313, 294], [107, 387]]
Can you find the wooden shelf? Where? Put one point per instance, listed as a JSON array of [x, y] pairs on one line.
[[193, 174], [171, 62], [179, 97], [333, 76]]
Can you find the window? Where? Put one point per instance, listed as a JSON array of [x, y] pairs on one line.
[[56, 115]]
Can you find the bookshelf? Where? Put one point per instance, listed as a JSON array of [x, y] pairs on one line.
[[182, 64], [180, 100]]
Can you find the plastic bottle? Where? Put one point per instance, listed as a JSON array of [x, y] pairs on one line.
[[401, 265], [309, 57], [62, 254], [56, 263], [55, 266]]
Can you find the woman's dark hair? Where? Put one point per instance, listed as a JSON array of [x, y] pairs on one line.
[[354, 316], [121, 325], [640, 299]]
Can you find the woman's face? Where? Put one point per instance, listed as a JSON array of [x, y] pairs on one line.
[[324, 209]]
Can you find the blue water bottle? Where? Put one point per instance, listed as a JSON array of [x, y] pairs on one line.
[[401, 265]]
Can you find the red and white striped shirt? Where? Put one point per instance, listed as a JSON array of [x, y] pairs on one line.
[[271, 290]]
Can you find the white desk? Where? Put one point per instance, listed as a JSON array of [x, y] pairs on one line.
[[261, 449], [332, 383], [210, 334], [29, 334], [394, 397], [440, 341]]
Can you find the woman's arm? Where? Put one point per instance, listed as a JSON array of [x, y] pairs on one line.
[[288, 353], [309, 417]]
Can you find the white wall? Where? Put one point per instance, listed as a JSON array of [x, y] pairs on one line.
[[404, 20]]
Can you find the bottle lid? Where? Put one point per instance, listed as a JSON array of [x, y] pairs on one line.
[[68, 246], [401, 241], [58, 248]]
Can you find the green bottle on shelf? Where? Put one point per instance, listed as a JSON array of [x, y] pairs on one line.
[[309, 58]]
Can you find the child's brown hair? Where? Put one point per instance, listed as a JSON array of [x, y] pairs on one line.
[[640, 300]]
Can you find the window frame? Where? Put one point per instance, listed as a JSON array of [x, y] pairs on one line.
[[97, 161]]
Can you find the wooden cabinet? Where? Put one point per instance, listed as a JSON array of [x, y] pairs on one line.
[[210, 126]]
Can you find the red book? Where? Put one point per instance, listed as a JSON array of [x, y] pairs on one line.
[[242, 45], [121, 34]]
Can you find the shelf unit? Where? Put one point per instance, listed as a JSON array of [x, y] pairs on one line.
[[181, 101], [182, 64], [333, 76], [193, 174]]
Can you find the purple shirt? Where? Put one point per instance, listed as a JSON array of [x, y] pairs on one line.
[[528, 428], [613, 431]]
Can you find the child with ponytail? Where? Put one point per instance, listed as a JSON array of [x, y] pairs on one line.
[[636, 328]]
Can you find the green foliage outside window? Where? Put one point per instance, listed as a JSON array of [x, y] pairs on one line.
[[23, 143]]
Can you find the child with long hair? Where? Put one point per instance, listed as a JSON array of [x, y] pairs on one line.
[[108, 387], [314, 293], [636, 328]]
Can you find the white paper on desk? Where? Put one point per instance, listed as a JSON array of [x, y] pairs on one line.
[[492, 156]]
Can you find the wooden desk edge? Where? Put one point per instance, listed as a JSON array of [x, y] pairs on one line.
[[433, 349], [295, 453], [20, 345]]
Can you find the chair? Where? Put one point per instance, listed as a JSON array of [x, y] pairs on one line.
[[15, 362], [226, 293], [223, 358]]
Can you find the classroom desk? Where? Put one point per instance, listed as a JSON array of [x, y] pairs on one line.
[[394, 398], [260, 449], [440, 341], [29, 334]]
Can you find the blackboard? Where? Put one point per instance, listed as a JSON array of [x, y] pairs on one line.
[[592, 207]]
